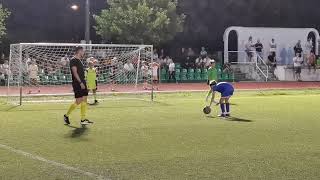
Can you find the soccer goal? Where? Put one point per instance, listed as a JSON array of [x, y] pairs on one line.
[[41, 72]]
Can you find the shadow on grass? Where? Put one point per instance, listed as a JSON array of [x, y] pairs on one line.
[[77, 132], [231, 119]]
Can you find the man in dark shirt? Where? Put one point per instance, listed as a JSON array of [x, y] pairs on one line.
[[79, 87], [298, 48], [259, 48]]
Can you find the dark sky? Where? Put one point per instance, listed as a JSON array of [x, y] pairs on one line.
[[53, 20]]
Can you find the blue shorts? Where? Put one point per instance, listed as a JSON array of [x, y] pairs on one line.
[[227, 93]]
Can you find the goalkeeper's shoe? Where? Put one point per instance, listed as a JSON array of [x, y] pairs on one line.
[[66, 120]]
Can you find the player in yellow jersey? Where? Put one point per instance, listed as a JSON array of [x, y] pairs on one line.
[[91, 78]]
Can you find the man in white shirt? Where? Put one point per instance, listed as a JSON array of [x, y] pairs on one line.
[[249, 48], [172, 70], [128, 67], [207, 62], [297, 63], [33, 75], [309, 46], [199, 62]]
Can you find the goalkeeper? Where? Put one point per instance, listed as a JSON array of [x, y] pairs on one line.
[[91, 78], [212, 72]]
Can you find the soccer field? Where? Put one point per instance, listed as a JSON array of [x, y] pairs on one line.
[[272, 135]]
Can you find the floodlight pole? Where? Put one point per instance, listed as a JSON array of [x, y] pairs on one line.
[[87, 22]]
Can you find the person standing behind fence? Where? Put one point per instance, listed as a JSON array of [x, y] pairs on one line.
[[297, 63], [259, 48], [273, 49], [172, 70], [249, 48]]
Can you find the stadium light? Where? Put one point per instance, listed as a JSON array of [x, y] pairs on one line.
[[75, 7], [87, 19]]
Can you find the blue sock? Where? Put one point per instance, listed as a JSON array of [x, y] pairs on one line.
[[222, 108], [228, 108]]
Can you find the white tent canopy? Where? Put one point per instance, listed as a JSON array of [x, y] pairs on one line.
[[285, 38]]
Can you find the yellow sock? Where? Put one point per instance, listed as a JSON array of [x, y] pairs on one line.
[[71, 108], [83, 110], [95, 96]]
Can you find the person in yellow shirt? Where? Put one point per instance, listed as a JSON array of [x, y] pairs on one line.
[[91, 79]]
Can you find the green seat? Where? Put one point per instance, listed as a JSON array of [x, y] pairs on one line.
[[178, 75], [204, 74], [184, 75], [177, 65], [63, 79], [54, 80], [163, 75], [190, 75], [197, 75]]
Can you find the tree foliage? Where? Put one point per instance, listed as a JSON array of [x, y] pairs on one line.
[[4, 14], [140, 21]]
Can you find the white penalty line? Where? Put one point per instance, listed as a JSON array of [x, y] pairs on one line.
[[53, 163]]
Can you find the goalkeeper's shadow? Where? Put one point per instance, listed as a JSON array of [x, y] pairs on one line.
[[77, 132]]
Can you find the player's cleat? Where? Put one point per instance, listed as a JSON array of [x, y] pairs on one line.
[[88, 121], [84, 123], [227, 115], [66, 120], [96, 102], [222, 115]]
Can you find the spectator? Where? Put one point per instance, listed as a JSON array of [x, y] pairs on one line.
[[128, 67], [64, 61], [167, 60], [198, 62], [155, 55], [203, 52], [309, 46], [298, 48], [33, 75], [312, 61], [273, 48], [259, 48], [190, 52], [172, 71], [144, 72], [129, 70], [272, 60], [297, 63], [161, 55], [207, 62], [6, 70], [155, 74], [249, 48]]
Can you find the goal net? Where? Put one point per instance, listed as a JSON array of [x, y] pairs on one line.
[[41, 72]]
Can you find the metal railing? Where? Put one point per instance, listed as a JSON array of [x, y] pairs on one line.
[[260, 61], [256, 61]]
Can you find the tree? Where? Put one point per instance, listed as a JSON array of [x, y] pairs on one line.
[[4, 14], [140, 21]]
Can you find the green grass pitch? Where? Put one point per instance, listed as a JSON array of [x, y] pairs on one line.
[[273, 135]]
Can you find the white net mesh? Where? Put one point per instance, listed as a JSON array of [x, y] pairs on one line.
[[42, 69]]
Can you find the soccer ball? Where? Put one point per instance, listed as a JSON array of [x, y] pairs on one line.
[[207, 110]]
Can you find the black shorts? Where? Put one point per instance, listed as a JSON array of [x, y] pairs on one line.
[[78, 92], [297, 70]]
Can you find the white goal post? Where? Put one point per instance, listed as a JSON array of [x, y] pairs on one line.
[[42, 69]]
